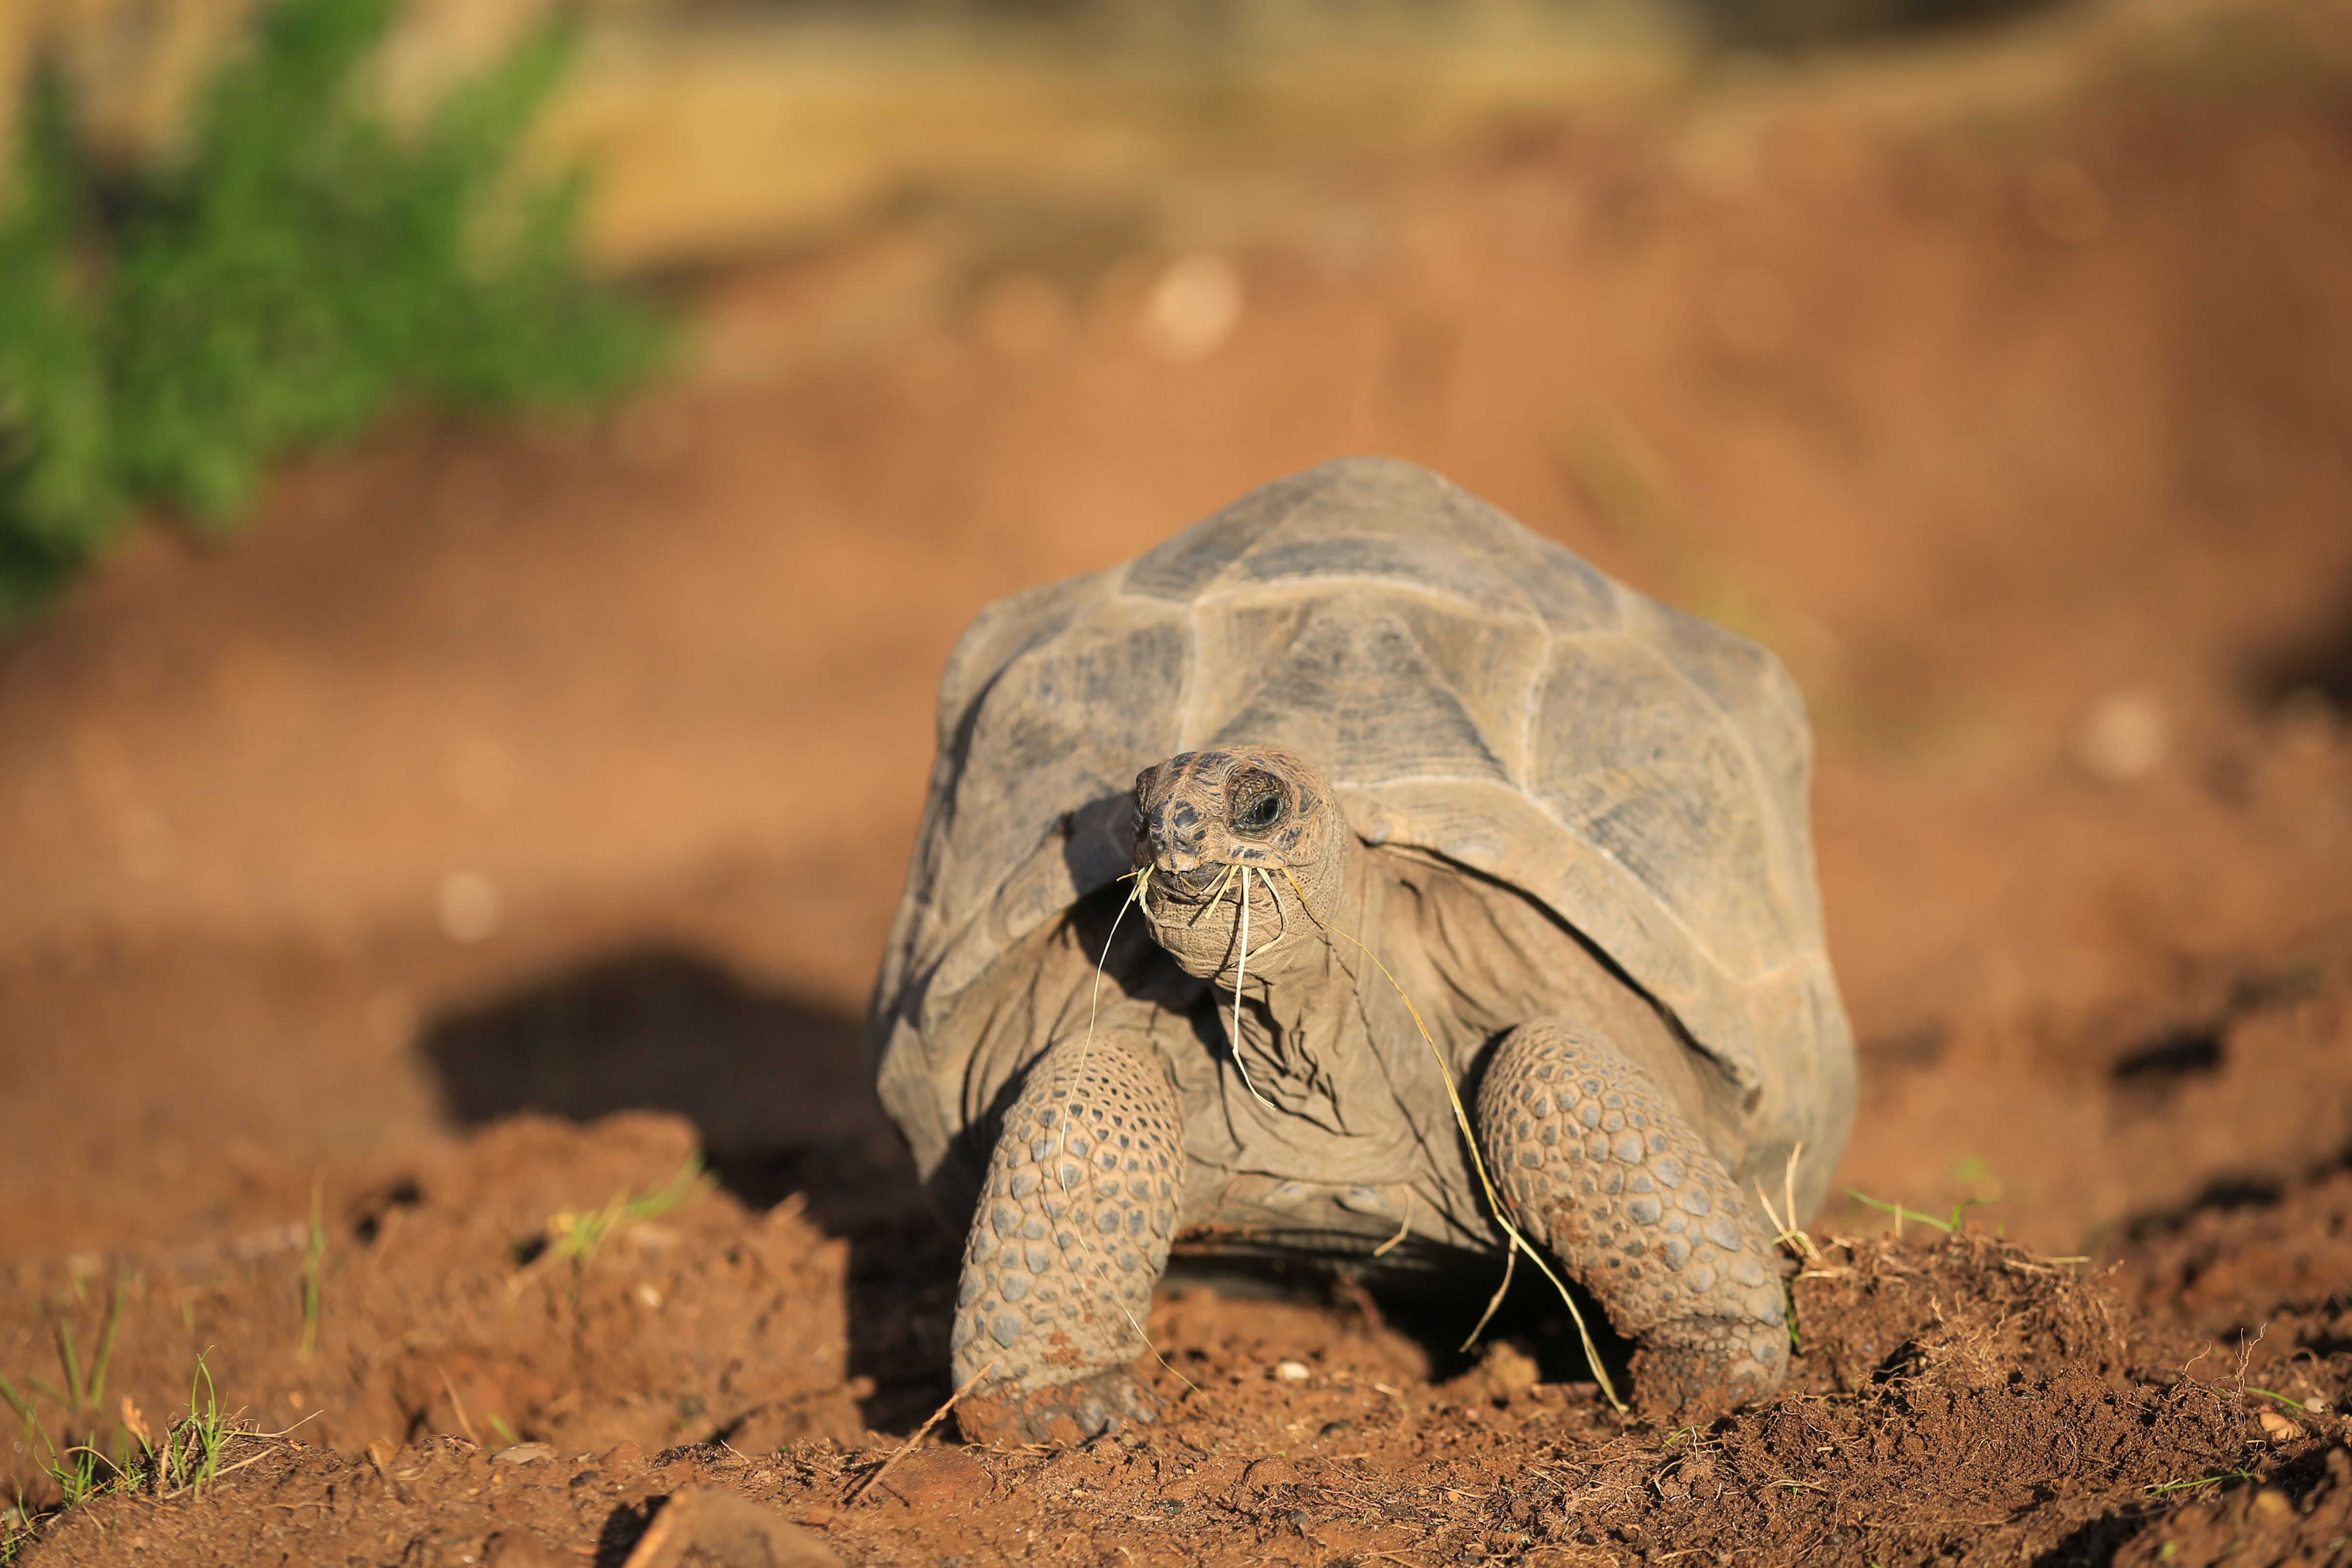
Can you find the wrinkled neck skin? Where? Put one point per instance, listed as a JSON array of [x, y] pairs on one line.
[[1214, 827]]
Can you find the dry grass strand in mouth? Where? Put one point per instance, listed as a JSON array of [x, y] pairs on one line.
[[1241, 968], [1219, 896]]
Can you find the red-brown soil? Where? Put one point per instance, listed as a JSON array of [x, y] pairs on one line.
[[2027, 439]]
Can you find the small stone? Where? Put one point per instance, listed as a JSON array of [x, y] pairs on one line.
[[523, 1454], [2122, 738], [1507, 1371], [622, 1458], [1293, 1371], [2277, 1426], [2272, 1503]]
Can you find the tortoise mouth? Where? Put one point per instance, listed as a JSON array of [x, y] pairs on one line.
[[1192, 884]]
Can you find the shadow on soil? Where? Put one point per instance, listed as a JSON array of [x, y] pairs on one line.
[[2230, 1194], [2316, 664], [777, 1089]]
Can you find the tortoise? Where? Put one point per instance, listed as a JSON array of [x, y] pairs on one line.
[[1192, 815]]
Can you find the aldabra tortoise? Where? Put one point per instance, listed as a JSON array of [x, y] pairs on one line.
[[1360, 713]]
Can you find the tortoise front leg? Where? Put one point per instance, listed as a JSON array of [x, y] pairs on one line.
[[1071, 1233], [1593, 1161]]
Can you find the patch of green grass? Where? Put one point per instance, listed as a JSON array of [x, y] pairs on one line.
[[577, 1237], [186, 1460], [74, 1474], [296, 268], [190, 1456]]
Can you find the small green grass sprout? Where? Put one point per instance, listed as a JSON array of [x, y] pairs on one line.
[[1947, 1225], [2163, 1489], [313, 1261], [192, 1449], [2309, 1406], [577, 1237], [16, 1401], [86, 1394], [76, 1475]]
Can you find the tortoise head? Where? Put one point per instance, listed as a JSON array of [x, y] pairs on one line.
[[1204, 817]]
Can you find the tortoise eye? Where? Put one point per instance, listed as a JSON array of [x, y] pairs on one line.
[[1257, 804]]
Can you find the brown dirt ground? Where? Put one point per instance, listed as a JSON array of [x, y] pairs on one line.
[[2027, 438]]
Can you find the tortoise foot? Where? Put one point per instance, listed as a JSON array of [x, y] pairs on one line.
[[1066, 1412], [1071, 1234], [1597, 1164], [1675, 1383]]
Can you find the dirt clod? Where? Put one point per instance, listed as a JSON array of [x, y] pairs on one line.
[[937, 1478], [711, 1527]]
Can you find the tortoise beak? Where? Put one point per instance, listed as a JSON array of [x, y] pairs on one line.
[[1178, 833]]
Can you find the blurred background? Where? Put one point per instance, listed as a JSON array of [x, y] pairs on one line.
[[461, 665]]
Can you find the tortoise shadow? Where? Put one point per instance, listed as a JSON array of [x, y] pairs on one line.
[[777, 1089]]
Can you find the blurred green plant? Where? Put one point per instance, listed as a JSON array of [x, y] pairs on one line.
[[297, 267]]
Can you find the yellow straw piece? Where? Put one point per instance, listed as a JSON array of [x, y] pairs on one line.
[[1404, 1227]]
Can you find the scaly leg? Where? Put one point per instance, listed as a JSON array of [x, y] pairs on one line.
[[1071, 1233], [1593, 1161]]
